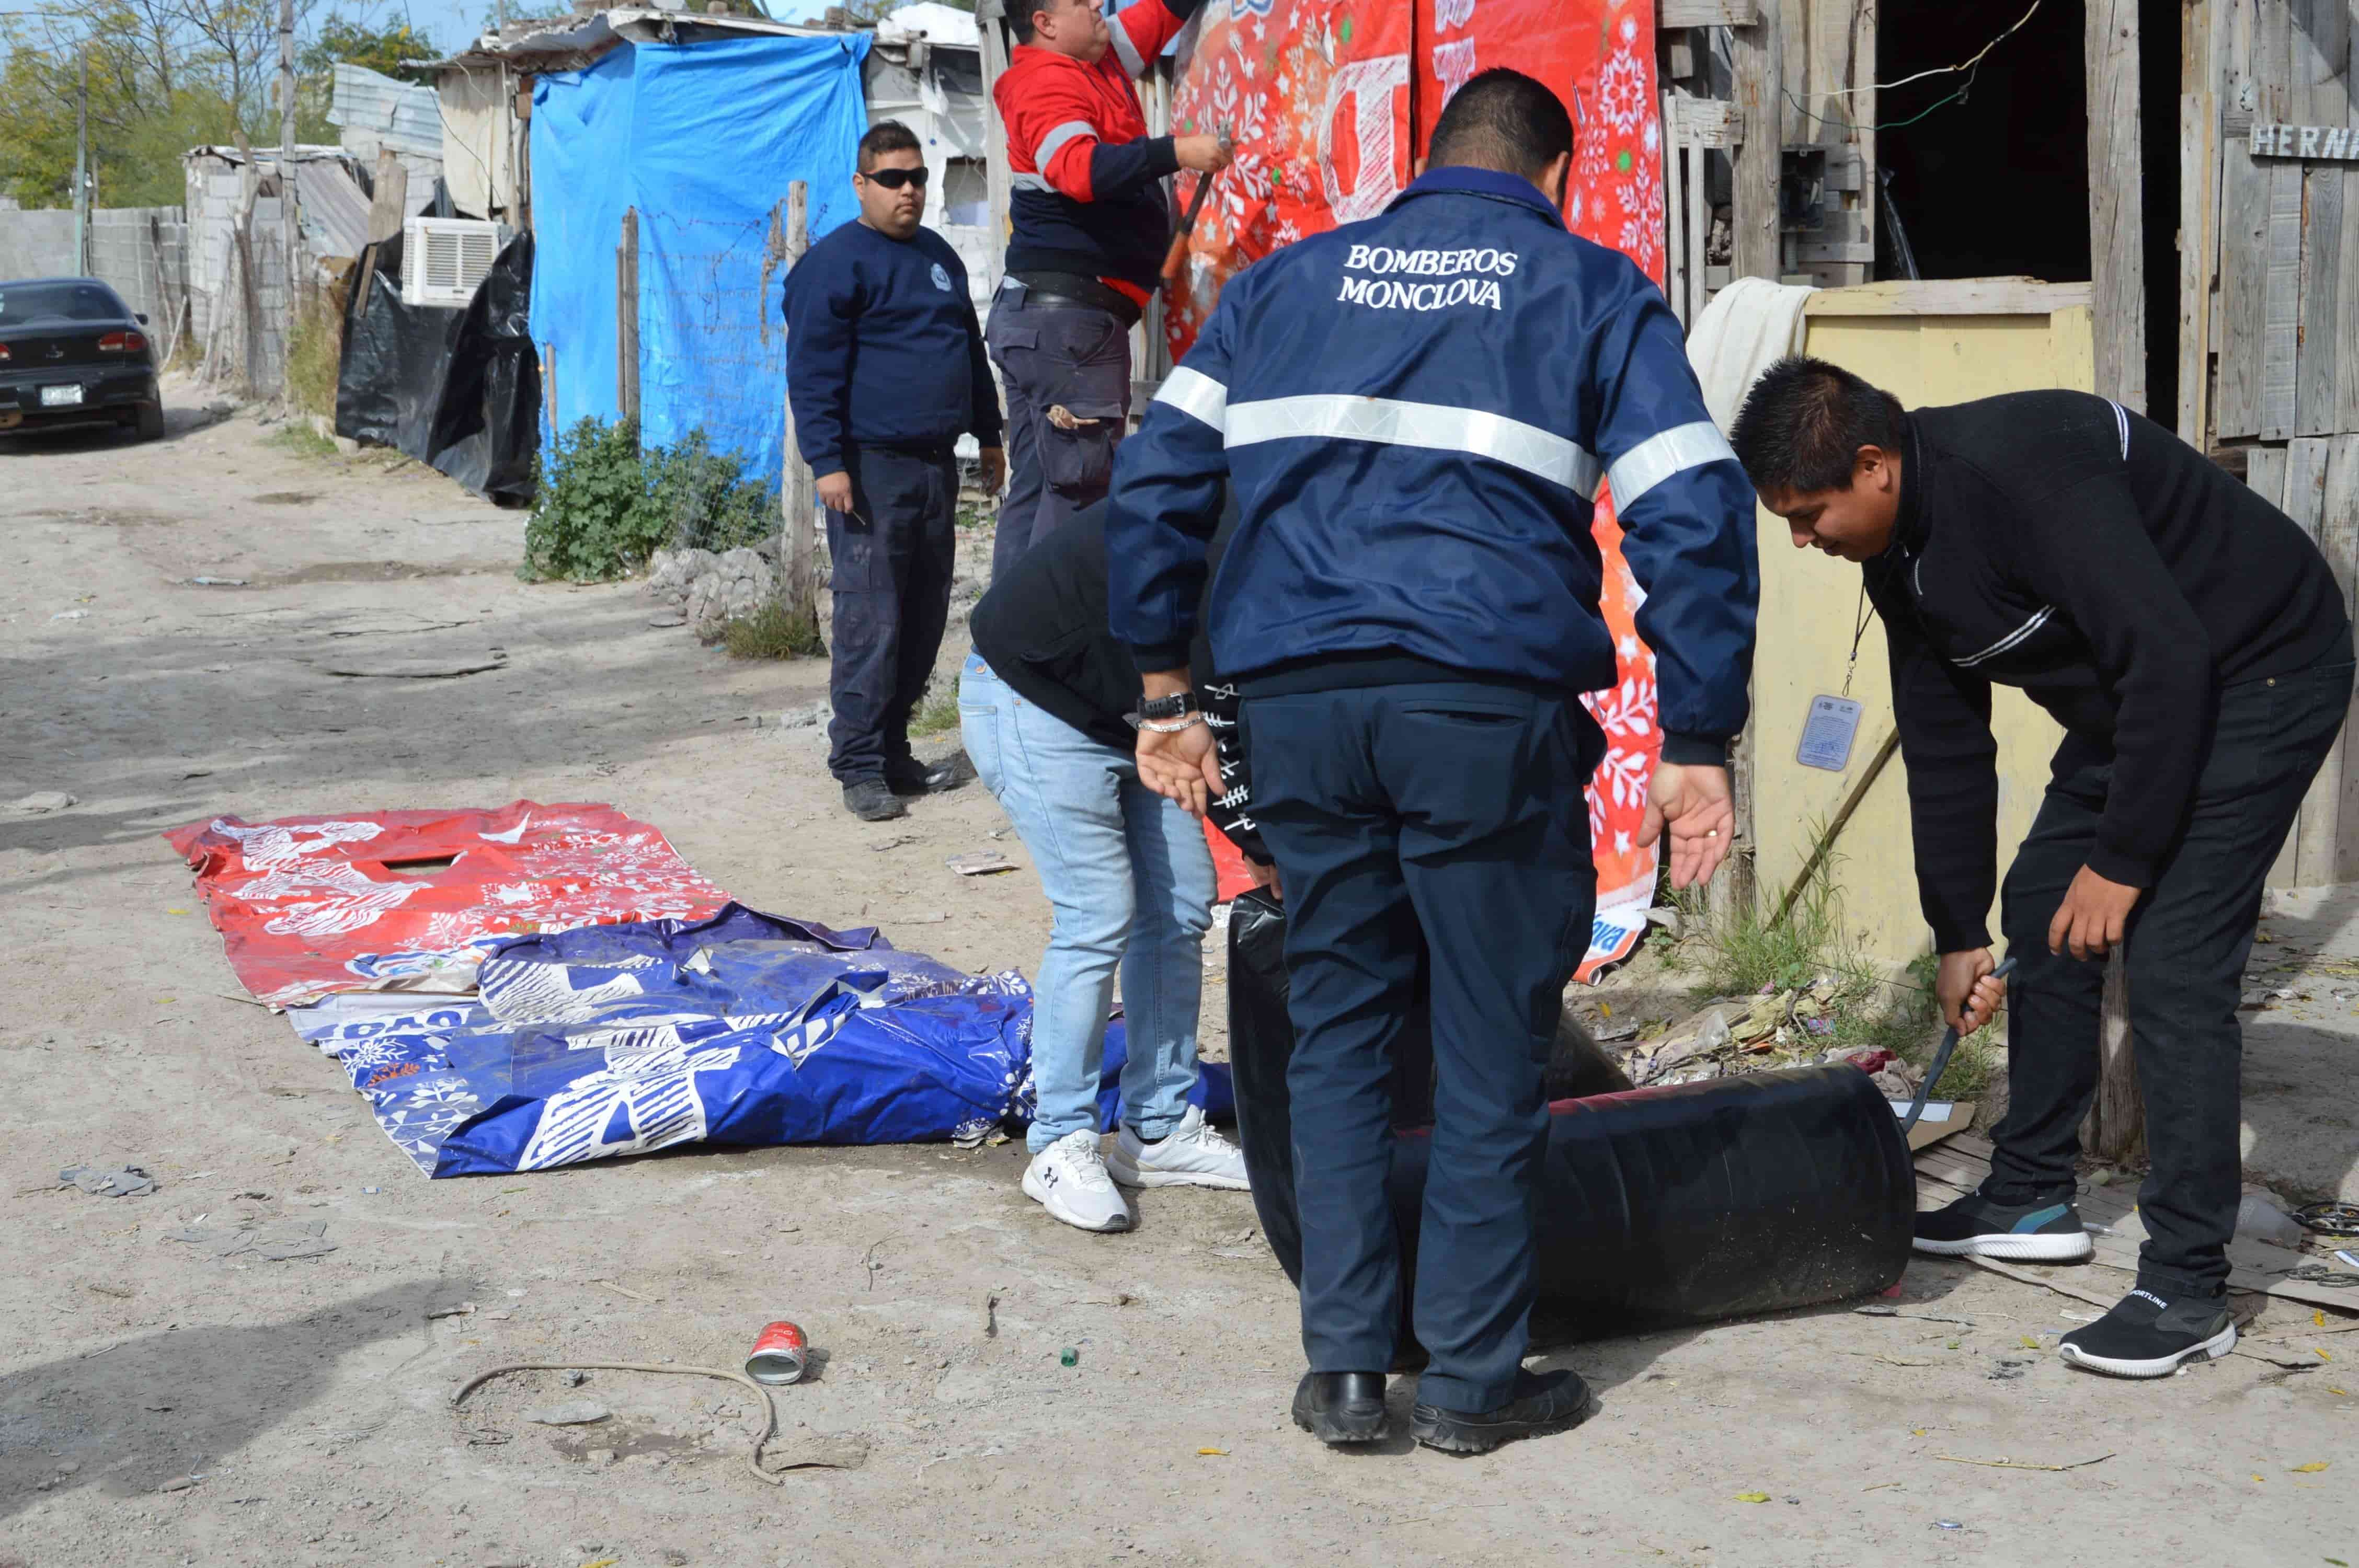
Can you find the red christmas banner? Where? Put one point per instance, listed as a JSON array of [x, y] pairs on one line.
[[1318, 94]]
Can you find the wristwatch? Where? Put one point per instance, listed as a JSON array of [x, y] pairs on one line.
[[1168, 708]]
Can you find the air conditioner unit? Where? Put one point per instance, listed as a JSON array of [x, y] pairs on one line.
[[442, 259]]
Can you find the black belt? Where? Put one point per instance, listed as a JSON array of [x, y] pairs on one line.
[[1076, 292]]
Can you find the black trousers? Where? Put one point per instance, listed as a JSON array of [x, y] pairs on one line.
[[1072, 357], [2184, 951], [1454, 813], [893, 562]]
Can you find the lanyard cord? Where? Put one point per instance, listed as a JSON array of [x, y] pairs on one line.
[[1859, 631]]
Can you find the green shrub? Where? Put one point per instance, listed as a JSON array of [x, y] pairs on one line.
[[603, 505], [772, 631], [594, 515], [710, 505], [313, 354]]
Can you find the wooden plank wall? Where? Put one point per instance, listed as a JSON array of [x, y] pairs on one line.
[[2281, 319], [2287, 308]]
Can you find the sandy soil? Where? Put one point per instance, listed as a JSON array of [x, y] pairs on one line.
[[311, 1398]]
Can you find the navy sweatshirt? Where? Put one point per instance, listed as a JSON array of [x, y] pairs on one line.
[[882, 349]]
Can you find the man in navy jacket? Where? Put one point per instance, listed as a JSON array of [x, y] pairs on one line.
[[886, 370], [1416, 413]]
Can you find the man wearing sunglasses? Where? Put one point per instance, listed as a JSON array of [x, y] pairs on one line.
[[1090, 223], [886, 370]]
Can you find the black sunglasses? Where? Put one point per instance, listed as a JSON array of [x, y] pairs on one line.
[[894, 178]]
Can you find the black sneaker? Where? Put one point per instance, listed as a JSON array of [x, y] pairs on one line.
[[2148, 1335], [871, 801], [1541, 1404], [914, 777], [1340, 1408], [2046, 1230]]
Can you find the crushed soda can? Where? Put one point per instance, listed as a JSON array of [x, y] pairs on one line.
[[781, 1356]]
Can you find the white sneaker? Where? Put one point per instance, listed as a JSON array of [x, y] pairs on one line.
[[1069, 1179], [1192, 1156]]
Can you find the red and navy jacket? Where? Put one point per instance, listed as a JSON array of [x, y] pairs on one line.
[[1086, 195]]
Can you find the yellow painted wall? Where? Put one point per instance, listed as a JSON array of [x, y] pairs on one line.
[[1808, 603]]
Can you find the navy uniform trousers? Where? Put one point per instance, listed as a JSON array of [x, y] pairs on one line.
[[892, 560], [1452, 810]]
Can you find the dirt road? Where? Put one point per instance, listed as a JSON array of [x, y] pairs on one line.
[[310, 1399]]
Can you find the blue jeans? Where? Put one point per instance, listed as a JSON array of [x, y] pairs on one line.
[[1129, 878]]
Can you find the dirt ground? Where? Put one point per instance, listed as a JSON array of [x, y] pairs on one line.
[[310, 1400]]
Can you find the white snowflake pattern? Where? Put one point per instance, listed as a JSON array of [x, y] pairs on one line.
[[1622, 91]]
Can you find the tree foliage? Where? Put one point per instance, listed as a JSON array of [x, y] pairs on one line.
[[166, 76]]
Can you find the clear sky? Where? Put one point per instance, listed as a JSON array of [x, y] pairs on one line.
[[452, 24]]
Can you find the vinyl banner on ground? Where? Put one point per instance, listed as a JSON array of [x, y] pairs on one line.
[[1319, 96], [412, 900]]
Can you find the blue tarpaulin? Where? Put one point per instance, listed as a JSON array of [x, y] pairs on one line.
[[744, 1028], [703, 139], [740, 1029]]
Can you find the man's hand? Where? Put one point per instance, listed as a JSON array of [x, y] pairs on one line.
[[2090, 920], [1969, 995], [994, 470], [835, 491], [1692, 801], [1206, 154], [1181, 766], [1265, 878]]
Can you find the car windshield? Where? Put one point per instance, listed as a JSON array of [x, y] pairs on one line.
[[23, 302]]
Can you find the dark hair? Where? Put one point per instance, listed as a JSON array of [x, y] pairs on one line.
[[1804, 422], [885, 136], [1502, 119], [1019, 16]]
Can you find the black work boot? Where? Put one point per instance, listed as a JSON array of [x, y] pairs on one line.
[[2044, 1231], [1340, 1408], [1540, 1403], [871, 800], [2149, 1333]]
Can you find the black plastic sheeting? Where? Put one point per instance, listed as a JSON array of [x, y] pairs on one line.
[[457, 389], [1657, 1207]]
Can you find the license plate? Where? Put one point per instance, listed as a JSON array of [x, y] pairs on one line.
[[60, 396]]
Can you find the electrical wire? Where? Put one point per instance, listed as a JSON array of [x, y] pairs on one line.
[[1941, 70], [1956, 97]]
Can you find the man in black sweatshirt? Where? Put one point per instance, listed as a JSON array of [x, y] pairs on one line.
[[2196, 649], [886, 370]]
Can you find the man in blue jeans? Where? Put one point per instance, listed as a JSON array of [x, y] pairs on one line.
[[1043, 702]]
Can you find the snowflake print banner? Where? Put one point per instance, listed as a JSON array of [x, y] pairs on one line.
[[742, 1028], [1319, 93], [412, 900]]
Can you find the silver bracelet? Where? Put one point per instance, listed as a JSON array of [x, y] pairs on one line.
[[1158, 727]]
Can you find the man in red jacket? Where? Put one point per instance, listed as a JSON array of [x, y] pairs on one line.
[[1091, 225]]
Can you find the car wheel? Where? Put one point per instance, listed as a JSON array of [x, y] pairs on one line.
[[151, 421]]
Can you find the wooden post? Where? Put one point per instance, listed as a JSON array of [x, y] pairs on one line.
[[626, 318], [990, 17], [2116, 1127], [1760, 58], [2203, 61], [797, 487], [387, 206], [2117, 206]]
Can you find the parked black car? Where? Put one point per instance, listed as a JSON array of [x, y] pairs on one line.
[[72, 352]]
